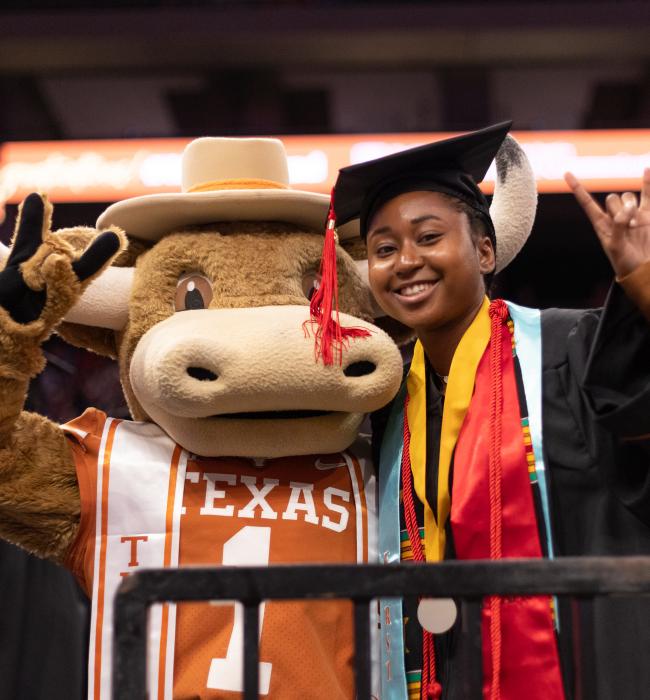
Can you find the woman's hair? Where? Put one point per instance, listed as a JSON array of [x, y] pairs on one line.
[[478, 228]]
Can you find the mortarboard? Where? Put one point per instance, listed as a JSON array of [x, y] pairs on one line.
[[453, 166]]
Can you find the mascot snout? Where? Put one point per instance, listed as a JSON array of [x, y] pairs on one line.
[[256, 368]]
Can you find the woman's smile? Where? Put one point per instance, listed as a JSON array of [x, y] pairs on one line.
[[413, 293]]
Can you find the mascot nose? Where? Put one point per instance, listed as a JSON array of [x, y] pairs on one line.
[[360, 368], [202, 374]]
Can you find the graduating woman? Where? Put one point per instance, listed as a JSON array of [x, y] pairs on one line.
[[517, 433]]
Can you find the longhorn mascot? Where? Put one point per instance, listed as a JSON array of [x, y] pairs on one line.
[[244, 446]]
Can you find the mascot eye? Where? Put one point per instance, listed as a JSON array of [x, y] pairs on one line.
[[193, 292], [310, 283]]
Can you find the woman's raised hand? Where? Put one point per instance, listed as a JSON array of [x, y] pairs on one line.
[[623, 227]]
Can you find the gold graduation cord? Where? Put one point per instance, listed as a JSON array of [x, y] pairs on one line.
[[460, 388]]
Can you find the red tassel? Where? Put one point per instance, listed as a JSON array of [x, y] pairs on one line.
[[329, 336]]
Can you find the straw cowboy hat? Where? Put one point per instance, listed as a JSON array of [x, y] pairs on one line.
[[247, 179], [224, 179]]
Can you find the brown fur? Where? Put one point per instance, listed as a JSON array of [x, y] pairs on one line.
[[355, 248], [39, 499]]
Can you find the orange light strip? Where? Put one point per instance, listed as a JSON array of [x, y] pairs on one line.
[[110, 170]]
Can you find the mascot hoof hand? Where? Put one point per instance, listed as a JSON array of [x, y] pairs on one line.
[[41, 279]]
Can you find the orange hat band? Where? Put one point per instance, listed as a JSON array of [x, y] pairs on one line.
[[238, 184]]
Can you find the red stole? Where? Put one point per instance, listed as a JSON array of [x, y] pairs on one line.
[[529, 663]]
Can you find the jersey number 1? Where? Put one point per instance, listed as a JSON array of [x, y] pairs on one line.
[[250, 546]]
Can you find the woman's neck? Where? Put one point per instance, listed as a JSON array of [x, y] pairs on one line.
[[440, 343]]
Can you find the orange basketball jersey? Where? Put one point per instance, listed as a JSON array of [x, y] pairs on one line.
[[146, 502]]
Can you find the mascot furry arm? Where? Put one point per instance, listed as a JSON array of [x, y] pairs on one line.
[[42, 280]]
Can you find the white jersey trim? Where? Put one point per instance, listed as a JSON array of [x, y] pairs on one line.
[[137, 526]]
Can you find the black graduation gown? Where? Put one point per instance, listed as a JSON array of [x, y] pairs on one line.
[[596, 434], [596, 423]]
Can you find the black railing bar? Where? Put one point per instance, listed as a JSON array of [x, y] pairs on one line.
[[129, 675], [472, 657], [569, 575], [251, 650], [362, 648], [573, 576]]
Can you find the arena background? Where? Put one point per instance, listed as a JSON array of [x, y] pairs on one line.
[[134, 70]]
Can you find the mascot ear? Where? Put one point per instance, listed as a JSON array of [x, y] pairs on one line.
[[401, 334]]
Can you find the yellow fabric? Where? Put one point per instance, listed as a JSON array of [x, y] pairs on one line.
[[238, 184], [460, 388]]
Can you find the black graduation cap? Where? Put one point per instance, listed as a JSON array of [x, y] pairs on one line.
[[453, 166]]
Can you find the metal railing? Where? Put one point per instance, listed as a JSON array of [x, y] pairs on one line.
[[469, 580]]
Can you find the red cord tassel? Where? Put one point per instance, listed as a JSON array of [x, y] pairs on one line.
[[430, 688], [329, 336], [498, 316]]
